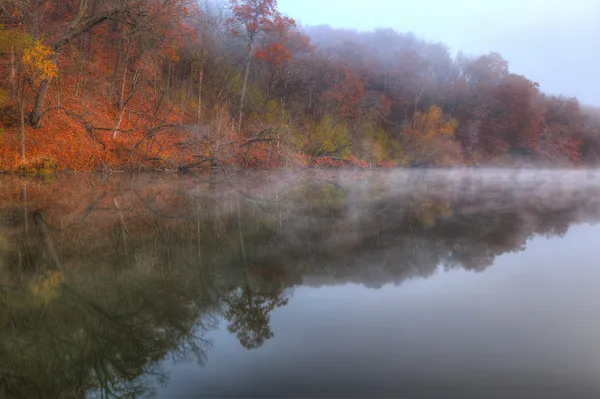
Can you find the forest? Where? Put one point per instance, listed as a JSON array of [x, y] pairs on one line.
[[178, 84]]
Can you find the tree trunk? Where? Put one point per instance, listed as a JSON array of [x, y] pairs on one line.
[[77, 27], [169, 72], [417, 99], [240, 234], [122, 89], [118, 126], [38, 219], [115, 74], [35, 117], [200, 78], [35, 26], [243, 95], [13, 73], [25, 211], [58, 88], [244, 85], [22, 106], [121, 101], [184, 103]]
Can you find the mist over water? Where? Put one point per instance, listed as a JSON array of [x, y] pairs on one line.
[[417, 284]]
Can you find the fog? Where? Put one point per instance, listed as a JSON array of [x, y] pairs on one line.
[[474, 283], [550, 41]]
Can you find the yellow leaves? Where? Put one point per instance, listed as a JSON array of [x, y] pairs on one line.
[[5, 246], [432, 123], [430, 139], [3, 97], [13, 40], [327, 138], [47, 288], [270, 113], [35, 56], [38, 62], [382, 146], [428, 211]]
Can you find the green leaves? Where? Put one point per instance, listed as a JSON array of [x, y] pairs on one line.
[[35, 57], [3, 97], [13, 40]]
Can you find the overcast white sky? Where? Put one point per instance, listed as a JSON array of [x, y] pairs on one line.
[[554, 42]]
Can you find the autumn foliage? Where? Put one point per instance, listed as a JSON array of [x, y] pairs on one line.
[[147, 84]]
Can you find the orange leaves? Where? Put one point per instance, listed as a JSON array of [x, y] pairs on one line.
[[171, 53], [279, 24], [274, 53]]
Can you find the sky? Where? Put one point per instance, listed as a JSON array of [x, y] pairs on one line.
[[553, 42]]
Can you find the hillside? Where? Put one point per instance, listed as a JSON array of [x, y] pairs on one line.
[[147, 84]]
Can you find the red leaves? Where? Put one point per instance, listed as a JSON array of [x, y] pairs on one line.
[[519, 96], [172, 54], [346, 93], [262, 17], [349, 161], [366, 94], [274, 53], [558, 144], [260, 156], [259, 16]]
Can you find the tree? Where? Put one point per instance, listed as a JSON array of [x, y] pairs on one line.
[[489, 69], [430, 140], [563, 129], [256, 17], [248, 313], [34, 64], [513, 125], [164, 84], [135, 13], [80, 24]]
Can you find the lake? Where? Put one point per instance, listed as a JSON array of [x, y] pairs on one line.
[[404, 284]]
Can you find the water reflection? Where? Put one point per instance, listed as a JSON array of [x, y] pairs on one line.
[[102, 279]]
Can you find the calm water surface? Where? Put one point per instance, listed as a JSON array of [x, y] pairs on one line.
[[429, 284]]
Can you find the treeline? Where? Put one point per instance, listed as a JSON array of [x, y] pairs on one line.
[[181, 83]]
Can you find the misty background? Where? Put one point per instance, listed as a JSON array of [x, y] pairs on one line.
[[553, 42]]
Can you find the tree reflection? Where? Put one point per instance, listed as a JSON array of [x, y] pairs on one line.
[[248, 314], [102, 280]]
